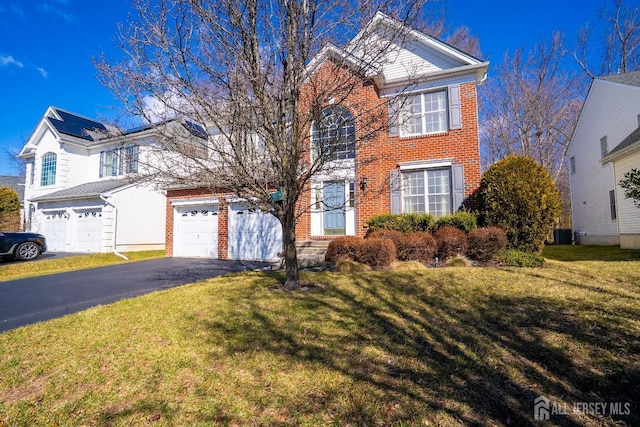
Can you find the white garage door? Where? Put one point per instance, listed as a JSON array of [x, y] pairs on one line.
[[253, 234], [196, 231], [55, 230], [88, 235]]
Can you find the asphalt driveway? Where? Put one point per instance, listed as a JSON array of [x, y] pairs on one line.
[[36, 299]]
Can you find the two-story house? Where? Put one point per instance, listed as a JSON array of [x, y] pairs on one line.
[[605, 145], [426, 161], [79, 190]]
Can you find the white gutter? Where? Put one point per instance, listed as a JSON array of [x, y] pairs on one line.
[[115, 226]]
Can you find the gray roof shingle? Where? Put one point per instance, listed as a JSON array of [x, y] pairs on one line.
[[630, 140], [631, 79], [84, 191]]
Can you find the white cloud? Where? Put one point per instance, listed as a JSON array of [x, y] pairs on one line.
[[42, 72], [9, 60]]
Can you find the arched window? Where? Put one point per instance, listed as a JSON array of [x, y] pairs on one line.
[[333, 137], [48, 169]]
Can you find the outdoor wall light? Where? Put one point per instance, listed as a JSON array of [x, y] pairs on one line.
[[363, 185]]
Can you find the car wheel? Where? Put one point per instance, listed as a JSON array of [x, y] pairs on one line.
[[27, 251]]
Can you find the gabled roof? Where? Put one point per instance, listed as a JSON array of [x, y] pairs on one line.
[[84, 191], [630, 79], [457, 61], [631, 141]]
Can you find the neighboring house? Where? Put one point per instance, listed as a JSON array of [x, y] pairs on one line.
[[605, 145], [16, 183], [79, 190], [427, 162]]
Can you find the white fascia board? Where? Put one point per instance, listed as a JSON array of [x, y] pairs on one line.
[[477, 73], [196, 201], [425, 164], [381, 18], [30, 145], [331, 51]]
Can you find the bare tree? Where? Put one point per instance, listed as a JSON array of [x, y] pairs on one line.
[[531, 107], [17, 164], [614, 42], [249, 72]]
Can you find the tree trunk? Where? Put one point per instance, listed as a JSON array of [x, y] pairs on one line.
[[292, 273]]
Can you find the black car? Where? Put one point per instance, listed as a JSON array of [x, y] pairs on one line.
[[22, 246]]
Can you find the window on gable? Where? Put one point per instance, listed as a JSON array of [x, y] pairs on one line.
[[333, 137], [604, 150], [119, 161], [427, 191], [423, 113], [48, 169]]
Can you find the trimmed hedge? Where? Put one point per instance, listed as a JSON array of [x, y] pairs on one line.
[[420, 247], [345, 247], [451, 242], [393, 235], [485, 244], [405, 223], [464, 220], [377, 252]]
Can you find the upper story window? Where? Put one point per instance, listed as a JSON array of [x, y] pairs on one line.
[[119, 161], [333, 137], [423, 113], [48, 169]]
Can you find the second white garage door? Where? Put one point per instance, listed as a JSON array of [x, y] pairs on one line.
[[253, 234], [88, 235], [196, 231]]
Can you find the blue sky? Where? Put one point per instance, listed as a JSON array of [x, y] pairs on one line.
[[47, 46]]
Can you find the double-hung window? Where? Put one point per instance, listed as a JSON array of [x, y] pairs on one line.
[[423, 113], [119, 161], [427, 191]]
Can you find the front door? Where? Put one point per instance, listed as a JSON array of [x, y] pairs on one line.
[[334, 207]]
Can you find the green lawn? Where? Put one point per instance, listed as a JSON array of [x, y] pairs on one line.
[[11, 270], [447, 346]]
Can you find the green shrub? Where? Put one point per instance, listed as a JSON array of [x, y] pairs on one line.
[[405, 223], [519, 196], [516, 258], [345, 247], [451, 242], [377, 252], [464, 220], [420, 247], [9, 210], [485, 244]]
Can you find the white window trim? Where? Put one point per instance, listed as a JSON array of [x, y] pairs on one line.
[[401, 128], [425, 164], [208, 201]]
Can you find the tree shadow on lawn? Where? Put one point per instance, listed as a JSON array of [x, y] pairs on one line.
[[442, 357]]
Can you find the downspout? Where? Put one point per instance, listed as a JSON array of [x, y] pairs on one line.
[[115, 226]]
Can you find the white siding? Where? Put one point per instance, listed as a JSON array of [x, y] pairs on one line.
[[610, 110], [628, 212], [141, 218]]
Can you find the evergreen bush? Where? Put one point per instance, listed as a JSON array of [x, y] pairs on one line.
[[485, 244], [377, 252], [345, 247], [451, 242], [519, 196]]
